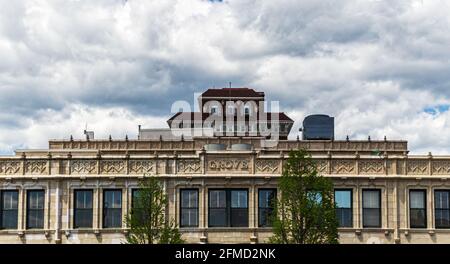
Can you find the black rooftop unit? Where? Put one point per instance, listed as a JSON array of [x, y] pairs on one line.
[[318, 127]]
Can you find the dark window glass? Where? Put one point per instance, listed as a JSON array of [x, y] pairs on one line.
[[83, 209], [239, 208], [442, 208], [417, 209], [189, 207], [371, 208], [137, 208], [266, 203], [217, 208], [344, 212], [228, 208], [112, 208], [8, 209], [35, 209]]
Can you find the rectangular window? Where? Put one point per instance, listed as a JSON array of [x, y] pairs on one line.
[[371, 208], [83, 209], [344, 212], [35, 209], [266, 203], [112, 208], [417, 209], [137, 208], [442, 208], [189, 208], [228, 208], [8, 209], [239, 208]]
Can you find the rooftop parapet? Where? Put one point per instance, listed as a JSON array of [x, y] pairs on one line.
[[372, 147]]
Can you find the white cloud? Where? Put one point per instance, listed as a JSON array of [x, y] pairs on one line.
[[374, 65]]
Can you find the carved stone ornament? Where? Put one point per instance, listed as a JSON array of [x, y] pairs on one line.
[[10, 167], [113, 166], [83, 166], [189, 166], [267, 166], [35, 166]]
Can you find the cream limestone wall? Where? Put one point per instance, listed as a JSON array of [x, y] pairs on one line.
[[102, 164], [395, 212]]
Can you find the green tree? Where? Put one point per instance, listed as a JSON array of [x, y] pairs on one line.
[[305, 210], [147, 220]]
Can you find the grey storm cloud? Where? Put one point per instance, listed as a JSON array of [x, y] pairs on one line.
[[374, 65]]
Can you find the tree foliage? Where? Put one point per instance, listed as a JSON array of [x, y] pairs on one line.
[[305, 211], [147, 220]]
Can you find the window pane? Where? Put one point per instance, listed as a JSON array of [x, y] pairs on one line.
[[371, 218], [371, 208], [83, 199], [35, 209], [9, 209], [266, 200], [217, 217], [344, 214], [442, 211], [417, 218], [113, 199], [343, 198], [239, 199], [83, 209], [189, 208], [371, 199], [189, 217], [314, 196], [417, 199], [441, 199], [112, 205], [217, 199], [239, 217], [189, 198]]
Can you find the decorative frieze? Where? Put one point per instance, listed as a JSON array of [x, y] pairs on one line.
[[322, 166], [371, 166], [271, 166], [112, 166], [142, 166], [83, 166], [9, 167], [189, 166], [441, 167], [35, 166], [343, 167], [417, 167]]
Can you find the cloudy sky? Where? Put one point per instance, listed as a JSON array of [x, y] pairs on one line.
[[380, 67]]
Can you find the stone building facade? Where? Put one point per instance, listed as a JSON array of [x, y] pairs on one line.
[[101, 165]]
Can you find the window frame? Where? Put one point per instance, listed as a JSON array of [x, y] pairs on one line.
[[2, 227], [105, 209], [228, 208], [196, 208], [425, 224], [351, 205], [76, 210], [435, 209], [39, 210], [380, 220], [275, 191]]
